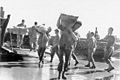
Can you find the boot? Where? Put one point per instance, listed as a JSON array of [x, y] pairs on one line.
[[88, 65], [109, 69], [63, 75], [59, 75], [51, 60], [76, 63]]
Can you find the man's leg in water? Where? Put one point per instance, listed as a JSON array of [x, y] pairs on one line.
[[73, 53], [39, 52], [67, 57], [57, 52], [42, 54], [60, 65], [52, 54], [88, 57], [34, 45], [92, 59], [108, 53], [75, 58]]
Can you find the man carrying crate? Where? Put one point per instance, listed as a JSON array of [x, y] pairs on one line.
[[67, 39]]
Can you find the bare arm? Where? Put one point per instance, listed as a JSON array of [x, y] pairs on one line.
[[38, 31], [104, 39], [72, 34]]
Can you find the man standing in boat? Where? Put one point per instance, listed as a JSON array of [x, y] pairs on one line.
[[19, 36]]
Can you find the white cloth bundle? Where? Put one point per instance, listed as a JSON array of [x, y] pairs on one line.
[[41, 29], [18, 30]]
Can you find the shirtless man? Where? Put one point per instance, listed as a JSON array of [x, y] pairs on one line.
[[67, 40], [66, 45]]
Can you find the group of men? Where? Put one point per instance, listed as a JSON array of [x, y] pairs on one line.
[[66, 48], [108, 49], [39, 38], [64, 44], [61, 45]]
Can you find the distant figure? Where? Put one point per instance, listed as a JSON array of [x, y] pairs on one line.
[[109, 49], [42, 42], [55, 48], [33, 37], [97, 37], [92, 45], [19, 36], [22, 24]]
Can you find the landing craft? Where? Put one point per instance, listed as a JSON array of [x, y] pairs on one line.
[[6, 54]]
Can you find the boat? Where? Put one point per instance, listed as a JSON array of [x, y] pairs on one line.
[[7, 54]]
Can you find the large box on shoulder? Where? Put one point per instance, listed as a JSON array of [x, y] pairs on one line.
[[66, 21]]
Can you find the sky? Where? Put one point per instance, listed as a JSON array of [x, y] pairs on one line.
[[92, 13]]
